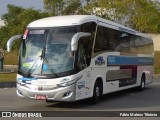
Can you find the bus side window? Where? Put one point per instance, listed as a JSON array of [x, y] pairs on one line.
[[88, 27], [103, 42]]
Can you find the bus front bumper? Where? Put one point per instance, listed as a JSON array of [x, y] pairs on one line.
[[60, 94]]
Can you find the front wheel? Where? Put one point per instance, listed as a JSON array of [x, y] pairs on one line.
[[49, 101], [96, 93]]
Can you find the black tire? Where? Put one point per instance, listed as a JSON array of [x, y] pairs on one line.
[[96, 93], [49, 101], [143, 83]]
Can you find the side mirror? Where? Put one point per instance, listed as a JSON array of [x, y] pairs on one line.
[[75, 39], [11, 40]]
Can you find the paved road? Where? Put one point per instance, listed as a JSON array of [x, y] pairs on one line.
[[128, 100]]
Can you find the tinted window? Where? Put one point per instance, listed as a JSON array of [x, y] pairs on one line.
[[105, 39], [88, 27]]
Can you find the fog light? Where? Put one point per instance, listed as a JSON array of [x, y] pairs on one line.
[[67, 94], [19, 93]]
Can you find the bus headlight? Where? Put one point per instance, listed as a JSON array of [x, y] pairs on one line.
[[65, 82]]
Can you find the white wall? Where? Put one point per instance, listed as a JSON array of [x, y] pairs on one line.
[[156, 41], [1, 22]]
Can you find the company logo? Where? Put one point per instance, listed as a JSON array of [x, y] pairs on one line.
[[111, 60], [6, 114], [30, 60], [100, 61], [81, 85], [40, 88]]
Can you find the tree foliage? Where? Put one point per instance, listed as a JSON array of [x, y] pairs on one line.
[[146, 16], [53, 6], [63, 7], [72, 7], [142, 15], [16, 21]]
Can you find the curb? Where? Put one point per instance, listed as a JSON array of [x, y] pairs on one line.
[[7, 84]]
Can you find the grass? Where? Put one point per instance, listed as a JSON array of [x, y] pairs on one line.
[[12, 59], [11, 77], [9, 59]]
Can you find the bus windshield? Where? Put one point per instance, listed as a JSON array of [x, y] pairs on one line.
[[47, 51]]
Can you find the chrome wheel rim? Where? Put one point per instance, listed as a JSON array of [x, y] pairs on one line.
[[97, 91], [143, 84]]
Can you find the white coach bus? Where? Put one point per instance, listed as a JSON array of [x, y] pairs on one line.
[[69, 58]]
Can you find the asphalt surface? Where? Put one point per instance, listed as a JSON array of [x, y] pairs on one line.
[[128, 100]]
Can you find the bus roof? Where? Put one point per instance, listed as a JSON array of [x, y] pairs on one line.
[[71, 20], [68, 20]]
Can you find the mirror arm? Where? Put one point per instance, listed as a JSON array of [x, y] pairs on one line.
[[11, 40], [75, 39]]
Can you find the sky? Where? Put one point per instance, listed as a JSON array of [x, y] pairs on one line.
[[36, 4]]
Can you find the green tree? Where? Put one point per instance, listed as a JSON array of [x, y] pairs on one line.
[[16, 21], [72, 7], [146, 16], [109, 9], [53, 7], [63, 7], [142, 15]]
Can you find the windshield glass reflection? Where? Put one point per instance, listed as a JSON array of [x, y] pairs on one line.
[[45, 51]]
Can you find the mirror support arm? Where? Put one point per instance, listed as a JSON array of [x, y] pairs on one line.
[[11, 40], [75, 39]]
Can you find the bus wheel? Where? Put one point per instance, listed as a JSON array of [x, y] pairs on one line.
[[142, 86], [49, 101], [96, 93]]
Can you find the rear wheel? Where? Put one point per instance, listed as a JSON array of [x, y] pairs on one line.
[[143, 83]]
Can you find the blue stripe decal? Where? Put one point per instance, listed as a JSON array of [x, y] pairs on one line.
[[125, 60], [27, 79]]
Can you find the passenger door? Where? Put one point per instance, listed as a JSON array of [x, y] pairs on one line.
[[83, 62]]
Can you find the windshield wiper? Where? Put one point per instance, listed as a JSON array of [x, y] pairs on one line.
[[50, 68], [45, 60], [31, 69], [42, 57], [43, 53]]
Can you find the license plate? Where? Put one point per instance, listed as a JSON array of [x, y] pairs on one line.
[[41, 97]]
